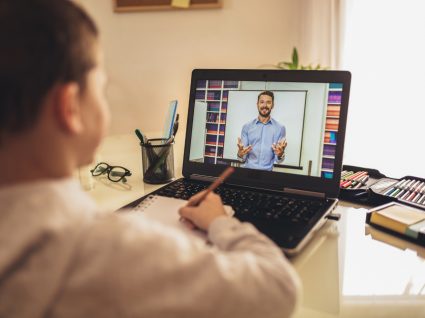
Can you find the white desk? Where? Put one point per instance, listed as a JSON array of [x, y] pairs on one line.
[[348, 270]]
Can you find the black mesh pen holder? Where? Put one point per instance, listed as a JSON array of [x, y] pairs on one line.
[[158, 161]]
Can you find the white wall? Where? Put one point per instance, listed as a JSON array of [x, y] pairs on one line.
[[150, 55]]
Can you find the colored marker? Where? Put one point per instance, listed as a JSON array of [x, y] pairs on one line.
[[404, 183], [346, 173], [397, 193], [358, 185], [359, 175], [415, 185], [400, 194], [361, 182], [420, 187], [409, 185], [355, 175], [405, 195], [388, 192], [346, 184], [398, 185], [417, 197], [411, 196]]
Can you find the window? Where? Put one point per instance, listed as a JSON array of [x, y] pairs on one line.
[[384, 49]]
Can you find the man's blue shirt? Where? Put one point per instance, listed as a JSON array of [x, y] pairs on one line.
[[261, 137]]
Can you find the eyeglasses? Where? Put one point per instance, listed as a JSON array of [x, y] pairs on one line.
[[115, 173]]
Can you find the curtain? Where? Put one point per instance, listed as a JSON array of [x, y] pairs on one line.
[[320, 32]]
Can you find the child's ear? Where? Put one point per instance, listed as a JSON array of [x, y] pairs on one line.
[[67, 105]]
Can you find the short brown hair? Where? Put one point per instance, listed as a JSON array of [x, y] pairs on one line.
[[268, 93], [42, 43]]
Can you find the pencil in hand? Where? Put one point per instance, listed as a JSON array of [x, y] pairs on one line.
[[198, 198], [226, 173]]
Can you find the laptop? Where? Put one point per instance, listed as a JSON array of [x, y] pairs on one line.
[[287, 193]]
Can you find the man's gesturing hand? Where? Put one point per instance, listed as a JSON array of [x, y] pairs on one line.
[[279, 148], [242, 151]]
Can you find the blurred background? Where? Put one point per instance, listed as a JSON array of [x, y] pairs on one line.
[[149, 56]]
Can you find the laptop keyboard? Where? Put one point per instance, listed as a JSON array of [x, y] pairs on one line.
[[250, 204]]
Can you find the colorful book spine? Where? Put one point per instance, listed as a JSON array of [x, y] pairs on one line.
[[329, 150], [200, 95], [334, 97], [327, 174], [332, 124], [328, 163], [231, 84], [214, 84], [213, 107], [201, 84], [333, 111], [330, 137]]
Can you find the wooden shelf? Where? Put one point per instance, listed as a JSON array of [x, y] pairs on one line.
[[216, 113], [155, 5]]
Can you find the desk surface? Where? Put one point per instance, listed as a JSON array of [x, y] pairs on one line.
[[348, 270]]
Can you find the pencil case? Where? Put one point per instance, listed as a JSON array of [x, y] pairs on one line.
[[409, 190], [359, 193]]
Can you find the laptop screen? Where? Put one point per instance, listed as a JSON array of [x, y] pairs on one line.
[[292, 124]]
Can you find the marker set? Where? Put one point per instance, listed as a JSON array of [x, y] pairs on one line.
[[353, 180], [355, 183], [408, 189], [371, 187]]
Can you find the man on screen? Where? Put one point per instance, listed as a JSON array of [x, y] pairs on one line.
[[262, 142]]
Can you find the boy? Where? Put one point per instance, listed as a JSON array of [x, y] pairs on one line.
[[59, 256]]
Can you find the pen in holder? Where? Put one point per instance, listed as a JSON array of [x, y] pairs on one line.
[[158, 161]]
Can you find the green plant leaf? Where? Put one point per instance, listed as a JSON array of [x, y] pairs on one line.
[[294, 65], [282, 65], [295, 58]]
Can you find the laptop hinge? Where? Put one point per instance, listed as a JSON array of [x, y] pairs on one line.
[[303, 192], [201, 177]]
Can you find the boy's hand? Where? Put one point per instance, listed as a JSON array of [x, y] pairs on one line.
[[205, 213]]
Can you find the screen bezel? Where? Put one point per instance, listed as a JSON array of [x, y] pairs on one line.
[[269, 179]]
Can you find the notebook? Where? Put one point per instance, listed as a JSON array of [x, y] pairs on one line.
[[283, 131], [165, 210], [399, 219]]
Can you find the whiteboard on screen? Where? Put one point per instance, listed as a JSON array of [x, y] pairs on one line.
[[289, 108]]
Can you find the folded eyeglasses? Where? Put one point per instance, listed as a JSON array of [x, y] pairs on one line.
[[115, 173]]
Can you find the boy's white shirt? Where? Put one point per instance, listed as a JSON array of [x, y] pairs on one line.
[[60, 256]]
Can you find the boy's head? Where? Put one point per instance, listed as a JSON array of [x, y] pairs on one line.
[[51, 74]]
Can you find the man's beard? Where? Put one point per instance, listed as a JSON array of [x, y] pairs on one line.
[[266, 114]]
